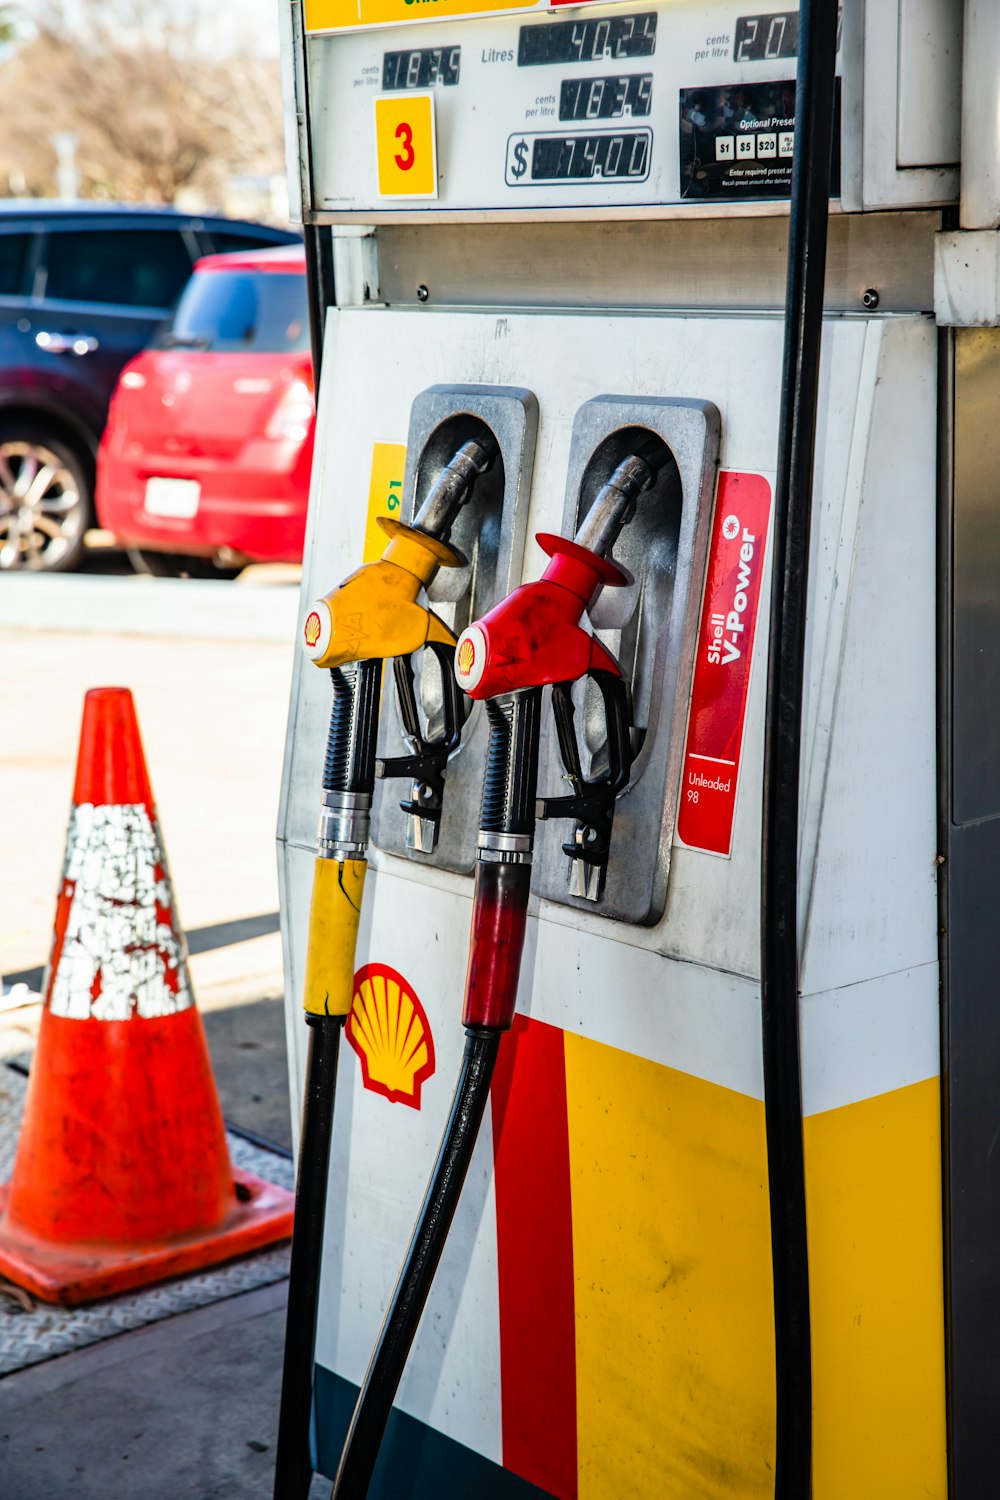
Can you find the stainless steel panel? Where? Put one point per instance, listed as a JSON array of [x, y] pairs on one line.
[[928, 120], [490, 533], [980, 202], [710, 264], [651, 627]]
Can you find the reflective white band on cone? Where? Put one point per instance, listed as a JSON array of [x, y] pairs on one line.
[[120, 954]]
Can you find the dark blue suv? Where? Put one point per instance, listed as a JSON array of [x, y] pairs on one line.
[[82, 289]]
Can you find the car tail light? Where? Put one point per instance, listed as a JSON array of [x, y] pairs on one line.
[[292, 417]]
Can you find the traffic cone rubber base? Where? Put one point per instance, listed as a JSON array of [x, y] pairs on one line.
[[71, 1274]]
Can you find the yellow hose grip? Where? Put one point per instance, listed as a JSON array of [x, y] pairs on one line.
[[334, 914]]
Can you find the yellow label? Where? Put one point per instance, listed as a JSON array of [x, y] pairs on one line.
[[385, 495], [405, 146], [332, 15], [346, 15]]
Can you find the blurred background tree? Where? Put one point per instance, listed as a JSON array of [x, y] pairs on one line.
[[152, 100]]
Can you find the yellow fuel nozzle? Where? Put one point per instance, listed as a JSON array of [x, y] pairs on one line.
[[374, 613]]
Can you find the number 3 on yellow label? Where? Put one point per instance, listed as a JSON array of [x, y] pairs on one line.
[[406, 146]]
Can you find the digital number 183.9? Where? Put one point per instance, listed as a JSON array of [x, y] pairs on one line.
[[605, 98]]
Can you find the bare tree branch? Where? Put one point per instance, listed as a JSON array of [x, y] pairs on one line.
[[157, 99]]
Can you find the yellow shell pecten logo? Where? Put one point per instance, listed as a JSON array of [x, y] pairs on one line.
[[466, 656], [389, 1030], [312, 628]]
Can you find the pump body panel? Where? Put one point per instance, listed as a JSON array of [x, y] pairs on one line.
[[601, 1321]]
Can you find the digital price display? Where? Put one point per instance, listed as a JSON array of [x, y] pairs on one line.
[[605, 98], [761, 38], [587, 41], [420, 68], [581, 158]]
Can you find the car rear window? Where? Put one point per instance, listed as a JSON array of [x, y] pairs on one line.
[[228, 311], [13, 256], [125, 267], [244, 239]]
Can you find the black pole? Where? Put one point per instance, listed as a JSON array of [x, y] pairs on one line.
[[814, 107], [319, 286], [293, 1466]]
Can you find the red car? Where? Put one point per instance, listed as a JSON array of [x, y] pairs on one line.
[[204, 464]]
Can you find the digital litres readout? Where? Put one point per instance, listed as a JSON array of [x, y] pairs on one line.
[[587, 41], [578, 158], [420, 68], [605, 98]]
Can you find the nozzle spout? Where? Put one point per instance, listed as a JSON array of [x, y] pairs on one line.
[[614, 505], [453, 486]]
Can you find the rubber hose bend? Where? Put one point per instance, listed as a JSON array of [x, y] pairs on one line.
[[382, 1379]]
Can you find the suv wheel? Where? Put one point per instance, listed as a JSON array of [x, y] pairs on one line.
[[45, 500]]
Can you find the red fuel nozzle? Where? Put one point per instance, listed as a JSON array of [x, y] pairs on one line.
[[530, 640], [534, 637]]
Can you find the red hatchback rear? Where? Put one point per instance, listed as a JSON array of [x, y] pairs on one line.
[[205, 460]]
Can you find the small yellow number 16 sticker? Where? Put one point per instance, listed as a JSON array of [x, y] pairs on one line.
[[406, 146]]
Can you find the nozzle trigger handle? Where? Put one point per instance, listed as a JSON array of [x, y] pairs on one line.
[[592, 802], [426, 765]]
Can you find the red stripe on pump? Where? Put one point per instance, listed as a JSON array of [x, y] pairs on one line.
[[535, 1257]]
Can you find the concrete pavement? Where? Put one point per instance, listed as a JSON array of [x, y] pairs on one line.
[[187, 1407]]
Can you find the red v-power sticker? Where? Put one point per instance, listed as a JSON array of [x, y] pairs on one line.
[[722, 668]]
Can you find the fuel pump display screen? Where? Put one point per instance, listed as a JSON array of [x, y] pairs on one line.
[[605, 98], [671, 102], [421, 68], [587, 41]]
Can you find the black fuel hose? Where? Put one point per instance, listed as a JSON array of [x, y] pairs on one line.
[[293, 1466], [499, 911], [348, 766], [814, 112], [381, 1381]]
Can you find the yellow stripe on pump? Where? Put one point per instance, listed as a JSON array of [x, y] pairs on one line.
[[334, 914], [374, 613]]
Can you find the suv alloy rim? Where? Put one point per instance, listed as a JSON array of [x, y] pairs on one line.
[[40, 510]]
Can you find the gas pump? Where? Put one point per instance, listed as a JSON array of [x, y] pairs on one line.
[[709, 1242]]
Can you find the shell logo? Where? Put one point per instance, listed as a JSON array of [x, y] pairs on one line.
[[389, 1030], [313, 627], [466, 656]]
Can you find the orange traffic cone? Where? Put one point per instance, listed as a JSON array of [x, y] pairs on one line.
[[122, 1174]]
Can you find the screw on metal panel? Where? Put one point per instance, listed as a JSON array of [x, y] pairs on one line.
[[870, 298], [422, 293]]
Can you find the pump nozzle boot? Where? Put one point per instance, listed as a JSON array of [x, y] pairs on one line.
[[453, 486]]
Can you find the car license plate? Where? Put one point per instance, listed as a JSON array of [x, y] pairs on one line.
[[172, 497]]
